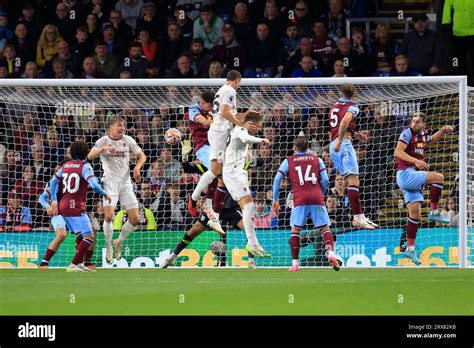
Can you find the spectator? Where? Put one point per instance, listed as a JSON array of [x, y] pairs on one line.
[[53, 153], [150, 22], [105, 62], [116, 46], [90, 70], [60, 70], [65, 22], [82, 48], [93, 29], [33, 22], [276, 23], [125, 74], [172, 214], [383, 50], [315, 134], [183, 69], [3, 69], [305, 49], [10, 173], [229, 51], [64, 53], [42, 170], [15, 217], [401, 67], [25, 44], [331, 205], [9, 56], [137, 64], [302, 19], [451, 213], [47, 45], [192, 7], [171, 166], [6, 34], [459, 14], [290, 44], [215, 70], [264, 215], [149, 46], [156, 176], [185, 23], [122, 29], [76, 7], [335, 19], [28, 187], [264, 175], [143, 140], [359, 45], [350, 58], [243, 26], [98, 9], [323, 45], [208, 27], [31, 71], [307, 69], [339, 69], [171, 48], [199, 58], [153, 70], [422, 47], [131, 11], [65, 130], [97, 215], [262, 53]]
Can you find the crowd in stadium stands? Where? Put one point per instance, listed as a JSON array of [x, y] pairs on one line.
[[196, 39]]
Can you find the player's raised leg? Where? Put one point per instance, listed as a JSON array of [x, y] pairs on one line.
[[127, 228], [436, 180]]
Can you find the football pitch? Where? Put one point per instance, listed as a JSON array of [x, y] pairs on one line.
[[238, 292]]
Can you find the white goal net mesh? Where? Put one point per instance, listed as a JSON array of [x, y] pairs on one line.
[[39, 123]]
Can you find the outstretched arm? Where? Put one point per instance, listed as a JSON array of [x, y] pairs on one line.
[[282, 171], [440, 134], [43, 200]]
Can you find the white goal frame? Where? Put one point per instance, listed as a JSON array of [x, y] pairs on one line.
[[463, 109]]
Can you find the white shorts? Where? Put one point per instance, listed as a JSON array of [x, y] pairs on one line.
[[218, 143], [120, 191], [237, 183]]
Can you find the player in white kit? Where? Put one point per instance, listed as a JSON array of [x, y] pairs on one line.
[[114, 150], [236, 178], [225, 116]]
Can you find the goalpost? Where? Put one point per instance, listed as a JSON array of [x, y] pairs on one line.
[[40, 118]]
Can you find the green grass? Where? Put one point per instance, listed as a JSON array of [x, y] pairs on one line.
[[238, 292]]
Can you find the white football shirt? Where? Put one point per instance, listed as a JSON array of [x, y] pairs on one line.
[[116, 164], [226, 95], [236, 151]]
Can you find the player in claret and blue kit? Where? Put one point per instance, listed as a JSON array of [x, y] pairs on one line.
[[309, 180], [75, 176], [413, 174], [342, 116]]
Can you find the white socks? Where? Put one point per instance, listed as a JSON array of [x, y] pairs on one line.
[[247, 216], [294, 262], [204, 182], [127, 228], [108, 232]]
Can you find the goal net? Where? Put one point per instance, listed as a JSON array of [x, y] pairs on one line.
[[40, 119]]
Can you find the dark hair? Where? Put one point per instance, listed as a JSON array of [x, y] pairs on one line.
[[234, 75], [79, 150], [197, 40], [208, 96], [253, 116], [136, 44], [301, 143], [347, 90], [206, 8]]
